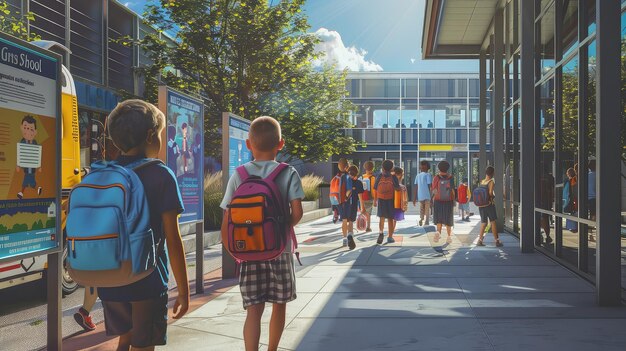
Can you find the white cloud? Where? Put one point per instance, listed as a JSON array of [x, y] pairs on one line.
[[337, 53], [128, 3]]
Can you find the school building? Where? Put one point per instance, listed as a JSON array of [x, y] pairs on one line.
[[100, 67], [551, 70], [410, 117]]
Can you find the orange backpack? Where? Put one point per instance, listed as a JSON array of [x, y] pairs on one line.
[[337, 190], [385, 189]]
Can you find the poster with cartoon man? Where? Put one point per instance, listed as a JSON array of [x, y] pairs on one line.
[[29, 132]]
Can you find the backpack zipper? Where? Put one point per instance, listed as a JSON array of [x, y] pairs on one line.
[[97, 237]]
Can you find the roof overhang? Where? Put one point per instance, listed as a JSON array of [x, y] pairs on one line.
[[456, 29]]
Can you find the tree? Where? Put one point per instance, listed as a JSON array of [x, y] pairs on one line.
[[251, 58], [16, 24]]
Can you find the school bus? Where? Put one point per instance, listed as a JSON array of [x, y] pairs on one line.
[[34, 269]]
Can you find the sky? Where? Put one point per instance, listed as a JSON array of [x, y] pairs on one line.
[[370, 35]]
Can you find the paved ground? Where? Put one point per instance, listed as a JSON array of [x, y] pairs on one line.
[[418, 294]]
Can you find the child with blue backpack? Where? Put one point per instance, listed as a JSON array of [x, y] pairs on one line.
[[271, 281], [137, 313]]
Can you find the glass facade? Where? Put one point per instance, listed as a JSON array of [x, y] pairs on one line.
[[414, 117], [565, 128]]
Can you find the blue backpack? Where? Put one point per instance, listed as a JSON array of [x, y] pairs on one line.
[[109, 239]]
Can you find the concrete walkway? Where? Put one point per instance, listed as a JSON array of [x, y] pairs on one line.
[[417, 294]]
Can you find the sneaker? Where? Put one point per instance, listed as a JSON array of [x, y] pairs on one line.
[[345, 242], [391, 240], [437, 236], [548, 240], [20, 195], [421, 222], [39, 190], [380, 239], [83, 319], [480, 243], [368, 230], [499, 243], [351, 243], [427, 223]]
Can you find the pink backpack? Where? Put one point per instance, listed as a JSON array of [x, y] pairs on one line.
[[258, 225]]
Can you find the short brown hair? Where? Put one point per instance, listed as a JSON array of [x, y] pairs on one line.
[[131, 120], [368, 165], [425, 165], [353, 170], [265, 133], [443, 166], [490, 171], [398, 171], [343, 161]]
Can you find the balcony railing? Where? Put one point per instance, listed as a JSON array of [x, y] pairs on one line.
[[416, 136]]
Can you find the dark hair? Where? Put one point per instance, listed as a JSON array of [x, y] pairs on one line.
[[30, 120], [130, 121], [443, 166], [184, 125], [265, 133], [398, 171], [353, 170], [388, 165], [571, 172], [465, 180], [425, 164], [490, 171]]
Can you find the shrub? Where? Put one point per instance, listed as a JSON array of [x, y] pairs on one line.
[[310, 184], [213, 195]]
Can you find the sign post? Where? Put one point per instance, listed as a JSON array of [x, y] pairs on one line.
[[234, 154], [30, 164], [184, 155]]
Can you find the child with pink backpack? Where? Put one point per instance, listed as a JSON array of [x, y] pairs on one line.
[[262, 203]]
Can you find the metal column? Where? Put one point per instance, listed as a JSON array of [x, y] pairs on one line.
[[482, 132], [200, 257], [608, 122], [497, 105], [55, 335], [527, 94]]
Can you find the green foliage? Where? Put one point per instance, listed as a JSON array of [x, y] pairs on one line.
[[37, 225], [15, 24], [213, 195], [251, 58], [3, 229], [19, 227], [310, 185], [51, 223]]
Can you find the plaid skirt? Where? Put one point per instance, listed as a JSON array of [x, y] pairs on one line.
[[268, 281]]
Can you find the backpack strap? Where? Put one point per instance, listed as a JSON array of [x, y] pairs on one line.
[[144, 162], [243, 173], [281, 166]]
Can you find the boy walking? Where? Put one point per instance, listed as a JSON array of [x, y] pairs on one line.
[[464, 197], [421, 193], [444, 197], [368, 194], [267, 281], [137, 313], [354, 200], [385, 187], [488, 213]]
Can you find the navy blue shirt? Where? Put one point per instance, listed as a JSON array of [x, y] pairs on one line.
[[163, 196]]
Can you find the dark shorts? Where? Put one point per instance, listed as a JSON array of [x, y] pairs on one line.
[[488, 214], [443, 213], [268, 281], [348, 211], [386, 209], [147, 320]]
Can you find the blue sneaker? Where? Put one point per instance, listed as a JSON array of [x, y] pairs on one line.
[[391, 240]]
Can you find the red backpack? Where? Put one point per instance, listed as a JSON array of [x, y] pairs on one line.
[[463, 194], [385, 189], [442, 187]]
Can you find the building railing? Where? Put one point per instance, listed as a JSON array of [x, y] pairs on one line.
[[416, 136]]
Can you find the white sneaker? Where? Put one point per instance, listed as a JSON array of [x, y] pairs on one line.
[[345, 242]]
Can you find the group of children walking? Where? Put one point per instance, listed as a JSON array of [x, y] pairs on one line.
[[386, 192]]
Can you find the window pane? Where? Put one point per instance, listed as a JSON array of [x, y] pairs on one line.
[[394, 118], [546, 197], [410, 88], [569, 37], [546, 41], [373, 88], [380, 119]]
